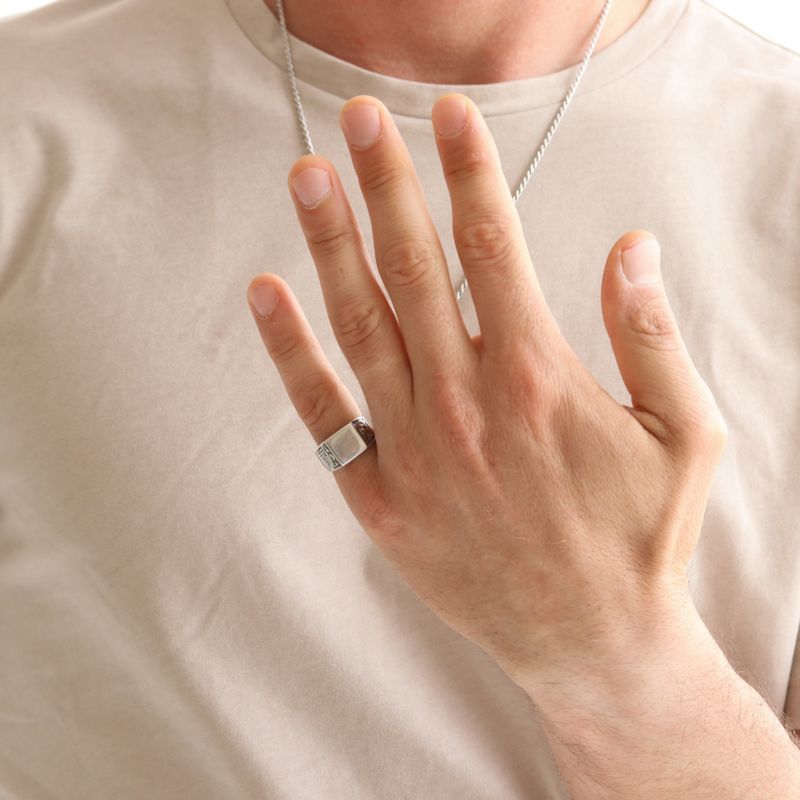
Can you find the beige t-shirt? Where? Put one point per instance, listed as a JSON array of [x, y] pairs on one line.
[[187, 607]]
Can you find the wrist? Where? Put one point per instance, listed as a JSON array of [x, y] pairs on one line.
[[629, 667], [670, 718]]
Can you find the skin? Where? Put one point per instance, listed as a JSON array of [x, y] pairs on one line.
[[494, 40], [545, 522]]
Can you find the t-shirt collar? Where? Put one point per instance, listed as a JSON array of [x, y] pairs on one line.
[[414, 99]]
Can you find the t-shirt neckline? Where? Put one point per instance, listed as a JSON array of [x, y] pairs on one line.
[[410, 98]]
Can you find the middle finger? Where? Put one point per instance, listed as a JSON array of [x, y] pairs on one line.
[[408, 251]]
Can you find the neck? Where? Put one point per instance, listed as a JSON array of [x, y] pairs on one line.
[[477, 41]]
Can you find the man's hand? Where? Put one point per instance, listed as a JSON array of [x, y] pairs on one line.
[[534, 514]]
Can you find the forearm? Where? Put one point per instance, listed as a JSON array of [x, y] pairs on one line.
[[677, 722]]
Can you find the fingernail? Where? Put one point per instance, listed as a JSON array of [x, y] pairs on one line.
[[450, 116], [264, 299], [641, 262], [362, 124], [311, 186]]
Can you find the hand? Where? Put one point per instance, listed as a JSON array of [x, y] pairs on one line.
[[534, 514]]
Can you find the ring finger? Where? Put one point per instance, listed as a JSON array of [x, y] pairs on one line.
[[322, 401]]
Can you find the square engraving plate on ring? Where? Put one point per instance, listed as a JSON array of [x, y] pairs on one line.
[[347, 444]]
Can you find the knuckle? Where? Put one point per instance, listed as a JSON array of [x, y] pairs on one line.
[[379, 517], [458, 417], [703, 431], [488, 239], [377, 176], [533, 395], [314, 397], [330, 241], [285, 349], [408, 462], [467, 165], [710, 430], [716, 434], [523, 388], [531, 391], [355, 323], [652, 320], [521, 369], [407, 262]]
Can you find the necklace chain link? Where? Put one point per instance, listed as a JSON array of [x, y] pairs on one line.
[[287, 52]]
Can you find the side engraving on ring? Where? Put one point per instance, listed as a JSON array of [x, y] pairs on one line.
[[364, 430], [328, 457]]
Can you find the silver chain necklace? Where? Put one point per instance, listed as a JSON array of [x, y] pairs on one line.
[[287, 52]]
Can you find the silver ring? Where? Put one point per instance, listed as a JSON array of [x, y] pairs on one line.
[[349, 442]]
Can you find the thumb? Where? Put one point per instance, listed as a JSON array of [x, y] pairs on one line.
[[668, 394]]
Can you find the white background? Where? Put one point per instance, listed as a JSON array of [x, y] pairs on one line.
[[778, 20]]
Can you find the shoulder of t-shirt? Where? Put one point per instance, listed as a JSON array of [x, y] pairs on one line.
[[56, 53], [747, 78], [747, 51]]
